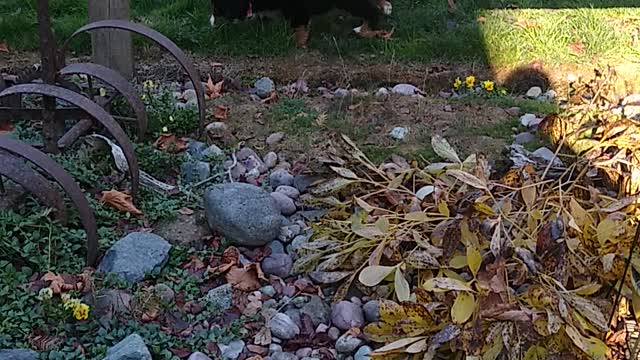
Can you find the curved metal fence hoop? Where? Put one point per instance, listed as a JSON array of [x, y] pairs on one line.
[[159, 39], [67, 183], [118, 82], [93, 110], [19, 172]]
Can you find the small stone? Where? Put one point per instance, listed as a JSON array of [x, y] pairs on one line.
[[273, 348], [406, 89], [270, 160], [382, 92], [527, 118], [289, 232], [547, 155], [294, 314], [303, 182], [289, 191], [279, 355], [135, 255], [268, 290], [277, 264], [264, 87], [274, 138], [513, 111], [270, 304], [342, 93], [347, 344], [283, 327], [194, 171], [534, 92], [333, 333], [284, 203], [524, 138], [322, 328], [533, 124], [165, 293], [304, 352], [444, 94], [238, 171], [231, 351], [131, 347], [212, 152], [550, 95], [318, 311], [245, 214], [18, 354], [448, 108], [363, 353], [299, 301], [280, 177], [299, 241], [190, 94], [198, 356], [371, 311], [221, 297], [399, 133], [276, 247], [346, 315]]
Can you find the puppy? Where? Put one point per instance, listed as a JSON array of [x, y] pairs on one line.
[[300, 12]]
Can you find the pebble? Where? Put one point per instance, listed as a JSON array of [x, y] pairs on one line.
[[299, 301], [264, 87], [533, 124], [399, 133], [221, 297], [342, 93], [550, 95], [231, 351], [524, 138], [279, 355], [318, 311], [304, 352], [534, 92], [371, 311], [526, 119], [356, 300], [165, 293], [322, 328], [347, 344], [283, 327], [271, 303], [270, 160], [284, 203], [299, 241], [198, 356], [513, 111], [135, 255], [131, 347], [448, 108], [216, 129], [280, 177], [405, 89], [190, 94], [333, 333], [444, 94], [382, 92], [346, 315], [273, 348], [194, 171], [289, 191], [276, 247], [277, 264], [363, 353], [547, 155], [18, 354], [274, 138], [289, 232], [268, 290]]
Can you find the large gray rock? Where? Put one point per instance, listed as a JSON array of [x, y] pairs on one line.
[[18, 354], [131, 348], [135, 255], [346, 315], [221, 297], [245, 214]]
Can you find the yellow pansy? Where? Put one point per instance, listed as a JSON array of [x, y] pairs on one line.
[[488, 85], [45, 294], [456, 83], [470, 81], [81, 312]]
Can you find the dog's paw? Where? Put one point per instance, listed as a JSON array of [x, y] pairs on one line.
[[212, 21], [357, 30]]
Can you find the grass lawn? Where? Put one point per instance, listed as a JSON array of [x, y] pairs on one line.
[[481, 31]]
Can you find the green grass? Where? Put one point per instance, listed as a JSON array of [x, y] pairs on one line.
[[424, 30]]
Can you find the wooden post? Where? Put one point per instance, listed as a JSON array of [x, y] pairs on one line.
[[112, 48]]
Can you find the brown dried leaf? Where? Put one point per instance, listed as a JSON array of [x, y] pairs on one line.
[[120, 201], [245, 279], [170, 143], [213, 90], [221, 112]]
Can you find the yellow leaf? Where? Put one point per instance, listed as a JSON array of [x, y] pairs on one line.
[[373, 275], [468, 238], [606, 230], [495, 350], [421, 259], [395, 183], [579, 214], [588, 289], [383, 225], [345, 173], [443, 209], [364, 205], [381, 332], [483, 208], [635, 303], [592, 346], [417, 347], [529, 193], [390, 311], [496, 240], [445, 284], [468, 179], [536, 353], [441, 147], [417, 216], [474, 260], [458, 262], [463, 308], [402, 286], [399, 344]]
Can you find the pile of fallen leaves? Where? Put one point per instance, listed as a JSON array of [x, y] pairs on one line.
[[517, 267]]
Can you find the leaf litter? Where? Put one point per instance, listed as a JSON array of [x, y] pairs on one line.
[[520, 265]]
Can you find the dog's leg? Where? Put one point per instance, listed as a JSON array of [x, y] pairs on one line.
[[302, 35], [299, 19]]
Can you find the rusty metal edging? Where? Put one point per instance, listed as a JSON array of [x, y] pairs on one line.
[[67, 183], [92, 110], [161, 40], [16, 170], [118, 82]]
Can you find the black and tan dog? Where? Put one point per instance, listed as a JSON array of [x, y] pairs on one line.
[[300, 12]]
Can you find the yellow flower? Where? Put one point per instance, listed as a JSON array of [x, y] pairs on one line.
[[165, 129], [148, 84], [488, 85], [470, 80], [81, 312], [456, 83], [503, 92], [45, 294]]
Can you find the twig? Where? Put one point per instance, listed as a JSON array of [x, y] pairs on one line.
[[624, 274]]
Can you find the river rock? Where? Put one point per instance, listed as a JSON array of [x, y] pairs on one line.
[[132, 347], [135, 255]]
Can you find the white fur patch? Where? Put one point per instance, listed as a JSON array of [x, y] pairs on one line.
[[212, 21], [358, 29], [387, 8]]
